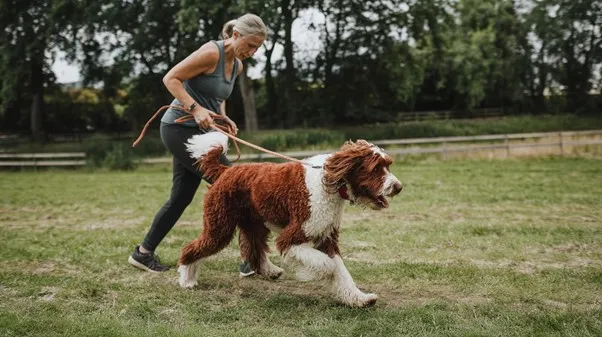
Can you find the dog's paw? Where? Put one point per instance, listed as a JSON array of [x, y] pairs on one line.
[[368, 300], [187, 277], [188, 284], [272, 273], [359, 299]]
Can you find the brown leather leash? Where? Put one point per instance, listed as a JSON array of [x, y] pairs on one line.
[[224, 129]]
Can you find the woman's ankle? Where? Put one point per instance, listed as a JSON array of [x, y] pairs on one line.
[[143, 250]]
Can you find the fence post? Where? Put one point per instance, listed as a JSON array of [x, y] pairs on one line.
[[561, 143], [507, 143], [444, 150]]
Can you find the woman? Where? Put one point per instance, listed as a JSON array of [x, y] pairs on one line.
[[200, 84]]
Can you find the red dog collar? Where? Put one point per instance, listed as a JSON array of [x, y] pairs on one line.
[[343, 192]]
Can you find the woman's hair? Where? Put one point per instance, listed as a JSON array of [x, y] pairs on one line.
[[248, 24]]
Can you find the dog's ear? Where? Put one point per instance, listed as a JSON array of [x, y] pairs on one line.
[[341, 163], [361, 142]]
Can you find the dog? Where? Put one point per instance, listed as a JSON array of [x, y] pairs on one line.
[[302, 203]]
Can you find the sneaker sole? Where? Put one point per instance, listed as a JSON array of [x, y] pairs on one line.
[[140, 265], [251, 273]]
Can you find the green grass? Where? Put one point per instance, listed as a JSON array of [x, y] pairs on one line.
[[470, 248]]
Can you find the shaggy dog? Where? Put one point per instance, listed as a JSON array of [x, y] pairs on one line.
[[303, 204]]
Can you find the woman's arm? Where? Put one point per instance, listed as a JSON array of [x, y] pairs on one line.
[[222, 108], [203, 60]]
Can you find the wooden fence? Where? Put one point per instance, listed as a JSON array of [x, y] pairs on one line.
[[448, 114], [42, 159], [509, 144], [449, 145]]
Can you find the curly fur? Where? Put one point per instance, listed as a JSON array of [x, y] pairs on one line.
[[299, 202]]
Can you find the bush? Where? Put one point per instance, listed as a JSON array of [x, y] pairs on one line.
[[96, 149], [150, 146], [473, 127], [120, 157], [102, 152], [301, 139]]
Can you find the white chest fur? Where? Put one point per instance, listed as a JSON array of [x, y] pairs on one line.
[[325, 208]]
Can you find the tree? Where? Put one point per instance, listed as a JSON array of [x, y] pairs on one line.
[[32, 31], [144, 39], [248, 98], [577, 47], [365, 66]]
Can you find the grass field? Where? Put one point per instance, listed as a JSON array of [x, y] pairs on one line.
[[470, 248]]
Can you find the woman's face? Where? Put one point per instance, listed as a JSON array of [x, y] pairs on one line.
[[246, 46]]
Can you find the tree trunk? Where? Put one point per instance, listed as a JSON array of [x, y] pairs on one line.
[[271, 91], [287, 16], [248, 98], [37, 105]]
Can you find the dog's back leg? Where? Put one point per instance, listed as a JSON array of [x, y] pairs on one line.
[[253, 242], [219, 227]]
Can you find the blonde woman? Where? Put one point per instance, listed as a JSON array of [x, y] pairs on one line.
[[200, 83]]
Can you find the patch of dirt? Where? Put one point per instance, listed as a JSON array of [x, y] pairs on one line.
[[421, 295], [6, 291], [570, 248], [352, 217], [41, 267], [47, 293], [70, 223], [532, 267], [191, 223], [115, 223], [362, 245]]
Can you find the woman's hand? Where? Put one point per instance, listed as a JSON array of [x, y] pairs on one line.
[[231, 124], [202, 117]]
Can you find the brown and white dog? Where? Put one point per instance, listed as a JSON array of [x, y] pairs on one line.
[[303, 204]]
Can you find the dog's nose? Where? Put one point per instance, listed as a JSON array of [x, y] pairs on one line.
[[396, 189]]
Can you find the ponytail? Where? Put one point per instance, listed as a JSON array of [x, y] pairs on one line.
[[248, 24], [228, 29]]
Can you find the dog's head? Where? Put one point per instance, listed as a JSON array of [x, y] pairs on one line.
[[360, 172]]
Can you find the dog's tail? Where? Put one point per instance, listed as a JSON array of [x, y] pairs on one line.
[[207, 149]]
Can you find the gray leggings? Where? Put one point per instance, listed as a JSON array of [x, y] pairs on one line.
[[185, 182]]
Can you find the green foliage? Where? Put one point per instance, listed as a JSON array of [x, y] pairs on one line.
[[32, 31], [102, 152], [96, 149], [120, 157], [79, 111], [467, 127], [150, 146], [371, 59], [301, 139]]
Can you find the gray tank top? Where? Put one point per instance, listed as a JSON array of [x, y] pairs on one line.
[[208, 90]]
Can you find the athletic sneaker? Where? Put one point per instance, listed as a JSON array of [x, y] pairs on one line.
[[149, 262], [245, 269]]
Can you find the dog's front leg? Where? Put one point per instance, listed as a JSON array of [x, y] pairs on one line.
[[311, 264], [345, 289]]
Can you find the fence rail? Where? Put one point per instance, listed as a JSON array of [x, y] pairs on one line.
[[448, 145], [436, 145], [448, 114], [532, 135], [42, 159]]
